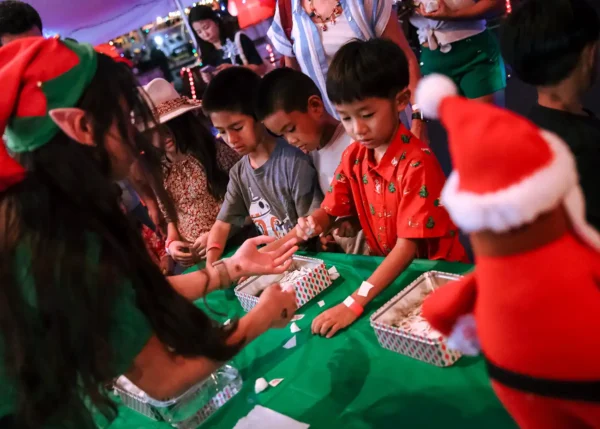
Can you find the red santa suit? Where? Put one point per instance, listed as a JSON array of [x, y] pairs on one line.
[[534, 313]]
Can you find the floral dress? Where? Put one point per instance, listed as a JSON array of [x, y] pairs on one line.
[[187, 185]]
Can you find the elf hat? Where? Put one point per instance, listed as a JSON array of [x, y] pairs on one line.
[[167, 102], [507, 172], [37, 75]]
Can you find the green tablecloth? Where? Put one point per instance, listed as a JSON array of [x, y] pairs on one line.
[[349, 381]]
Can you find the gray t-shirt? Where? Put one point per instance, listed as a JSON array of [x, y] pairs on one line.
[[275, 195]]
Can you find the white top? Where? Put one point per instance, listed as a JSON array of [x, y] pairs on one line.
[[336, 36], [440, 34], [327, 159]]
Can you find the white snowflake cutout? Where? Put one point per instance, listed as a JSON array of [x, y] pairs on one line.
[[230, 51]]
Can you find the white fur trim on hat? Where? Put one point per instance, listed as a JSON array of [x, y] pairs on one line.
[[431, 91], [523, 202]]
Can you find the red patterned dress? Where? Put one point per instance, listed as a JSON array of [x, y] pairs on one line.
[[187, 185]]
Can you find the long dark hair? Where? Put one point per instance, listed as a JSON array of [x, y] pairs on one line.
[[192, 137], [69, 256], [208, 51]]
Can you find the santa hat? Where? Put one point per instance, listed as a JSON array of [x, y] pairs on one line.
[[507, 172], [37, 75]]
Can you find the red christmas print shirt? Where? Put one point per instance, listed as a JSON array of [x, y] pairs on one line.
[[397, 198]]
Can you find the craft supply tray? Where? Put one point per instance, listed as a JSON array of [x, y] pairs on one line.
[[427, 348], [307, 286], [192, 408]]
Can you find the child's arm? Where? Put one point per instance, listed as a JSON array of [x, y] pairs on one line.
[[217, 238], [344, 314], [307, 228]]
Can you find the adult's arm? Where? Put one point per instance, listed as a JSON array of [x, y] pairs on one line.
[[163, 374], [394, 32]]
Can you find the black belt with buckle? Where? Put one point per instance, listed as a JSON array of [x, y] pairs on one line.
[[588, 391]]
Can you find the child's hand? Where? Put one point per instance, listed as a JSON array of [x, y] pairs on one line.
[[347, 227], [308, 228], [328, 243], [199, 247], [180, 252], [328, 323]]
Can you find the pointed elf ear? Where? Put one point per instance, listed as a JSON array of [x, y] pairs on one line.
[[73, 122]]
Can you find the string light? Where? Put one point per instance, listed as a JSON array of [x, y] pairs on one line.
[[508, 6], [192, 84], [271, 54]]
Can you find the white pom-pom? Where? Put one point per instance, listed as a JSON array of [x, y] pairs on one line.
[[431, 91]]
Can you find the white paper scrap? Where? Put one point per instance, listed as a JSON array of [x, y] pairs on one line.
[[275, 382], [260, 385], [264, 418], [294, 328], [333, 273], [291, 343], [297, 317], [227, 322], [365, 288], [321, 303]]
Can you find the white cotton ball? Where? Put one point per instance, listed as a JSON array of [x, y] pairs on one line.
[[260, 385], [431, 91]]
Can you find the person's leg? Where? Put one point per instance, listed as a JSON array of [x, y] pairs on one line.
[[484, 77]]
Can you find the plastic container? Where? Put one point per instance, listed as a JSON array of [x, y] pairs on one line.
[[189, 410]]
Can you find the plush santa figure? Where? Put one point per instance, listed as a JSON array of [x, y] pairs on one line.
[[532, 304]]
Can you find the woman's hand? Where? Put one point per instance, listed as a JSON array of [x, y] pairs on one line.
[[278, 305], [330, 321], [443, 12], [249, 261], [180, 252], [199, 246]]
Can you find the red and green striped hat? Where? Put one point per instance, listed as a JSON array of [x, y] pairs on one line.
[[38, 75]]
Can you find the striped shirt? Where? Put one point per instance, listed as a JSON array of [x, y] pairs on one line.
[[367, 18]]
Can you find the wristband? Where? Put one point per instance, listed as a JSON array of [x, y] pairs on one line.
[[167, 244], [224, 277], [354, 306], [213, 246]]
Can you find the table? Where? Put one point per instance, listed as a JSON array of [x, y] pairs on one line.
[[349, 381]]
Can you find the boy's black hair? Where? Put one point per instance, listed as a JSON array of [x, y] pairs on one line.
[[362, 69], [17, 17], [284, 89], [232, 90], [543, 39]]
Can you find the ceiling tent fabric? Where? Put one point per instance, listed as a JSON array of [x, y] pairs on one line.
[[97, 21]]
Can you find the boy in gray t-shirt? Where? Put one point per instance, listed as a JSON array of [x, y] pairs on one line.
[[274, 183]]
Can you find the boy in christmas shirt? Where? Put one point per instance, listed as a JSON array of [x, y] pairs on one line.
[[387, 177]]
